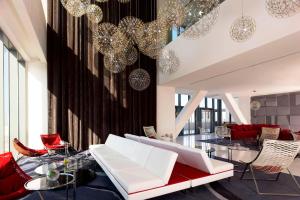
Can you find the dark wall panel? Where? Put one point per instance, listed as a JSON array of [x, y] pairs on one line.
[[281, 109]]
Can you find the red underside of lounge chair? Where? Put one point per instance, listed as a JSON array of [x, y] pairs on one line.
[[189, 172], [181, 173]]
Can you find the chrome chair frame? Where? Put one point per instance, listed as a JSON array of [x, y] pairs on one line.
[[255, 180]]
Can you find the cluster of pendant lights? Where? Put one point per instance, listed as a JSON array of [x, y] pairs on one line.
[[122, 44], [244, 27]]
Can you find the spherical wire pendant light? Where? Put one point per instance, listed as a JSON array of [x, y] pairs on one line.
[[115, 63], [76, 8], [107, 39], [168, 62], [242, 28], [139, 79], [94, 13], [201, 15], [173, 12], [282, 8]]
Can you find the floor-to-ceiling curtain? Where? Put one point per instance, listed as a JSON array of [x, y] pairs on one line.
[[87, 102]]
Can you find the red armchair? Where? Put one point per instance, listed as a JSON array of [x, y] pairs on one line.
[[52, 141], [12, 178], [22, 149], [248, 131]]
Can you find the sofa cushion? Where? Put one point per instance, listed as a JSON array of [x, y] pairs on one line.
[[106, 152], [221, 166], [160, 162], [123, 146], [249, 134], [137, 179], [269, 133], [285, 134], [141, 153], [119, 164], [132, 137], [164, 145], [196, 158]]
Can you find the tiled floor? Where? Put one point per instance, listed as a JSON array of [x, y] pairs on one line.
[[221, 151]]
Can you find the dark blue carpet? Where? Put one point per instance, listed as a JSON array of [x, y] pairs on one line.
[[102, 188]]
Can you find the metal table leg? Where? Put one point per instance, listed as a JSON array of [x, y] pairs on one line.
[[41, 195]]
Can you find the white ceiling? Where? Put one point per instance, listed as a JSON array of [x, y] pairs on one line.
[[268, 63]]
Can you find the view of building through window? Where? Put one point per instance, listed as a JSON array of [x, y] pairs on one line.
[[211, 112]]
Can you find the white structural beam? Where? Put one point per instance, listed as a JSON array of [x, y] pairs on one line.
[[165, 110], [234, 108], [188, 110]]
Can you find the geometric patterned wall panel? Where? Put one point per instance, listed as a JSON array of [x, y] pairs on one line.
[[281, 109]]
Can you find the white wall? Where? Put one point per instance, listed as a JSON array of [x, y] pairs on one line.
[[244, 104], [217, 46], [37, 108], [165, 110]]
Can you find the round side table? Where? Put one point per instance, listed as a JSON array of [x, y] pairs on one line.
[[41, 184], [235, 148]]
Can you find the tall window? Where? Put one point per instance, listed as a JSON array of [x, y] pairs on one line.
[[12, 96], [211, 112]]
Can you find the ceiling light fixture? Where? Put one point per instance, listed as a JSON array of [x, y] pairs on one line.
[[242, 28]]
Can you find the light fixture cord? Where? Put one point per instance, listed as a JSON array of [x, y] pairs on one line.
[[107, 11], [119, 12], [242, 3]]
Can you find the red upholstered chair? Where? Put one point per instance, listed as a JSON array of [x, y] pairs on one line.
[[52, 141], [22, 149], [12, 178]]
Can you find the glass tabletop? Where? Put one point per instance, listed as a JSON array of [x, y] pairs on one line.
[[41, 183], [239, 148], [206, 149]]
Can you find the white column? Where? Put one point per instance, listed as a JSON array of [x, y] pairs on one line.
[[188, 110], [165, 110], [234, 108], [37, 102]]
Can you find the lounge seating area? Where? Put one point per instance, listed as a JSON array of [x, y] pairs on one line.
[[149, 99], [147, 168]]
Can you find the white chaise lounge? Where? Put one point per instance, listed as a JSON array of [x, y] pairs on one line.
[[138, 171], [192, 163], [142, 171]]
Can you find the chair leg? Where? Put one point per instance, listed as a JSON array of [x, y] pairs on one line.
[[245, 170], [294, 179], [274, 194], [277, 177]]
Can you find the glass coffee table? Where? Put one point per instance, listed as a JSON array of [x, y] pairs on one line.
[[232, 148], [208, 150], [41, 184]]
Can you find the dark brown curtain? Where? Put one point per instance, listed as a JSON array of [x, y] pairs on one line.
[[87, 102]]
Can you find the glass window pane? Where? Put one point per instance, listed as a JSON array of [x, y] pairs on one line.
[[1, 100], [174, 33], [202, 103], [6, 98], [216, 104], [22, 103], [223, 106], [184, 99], [209, 103], [14, 99], [176, 99]]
